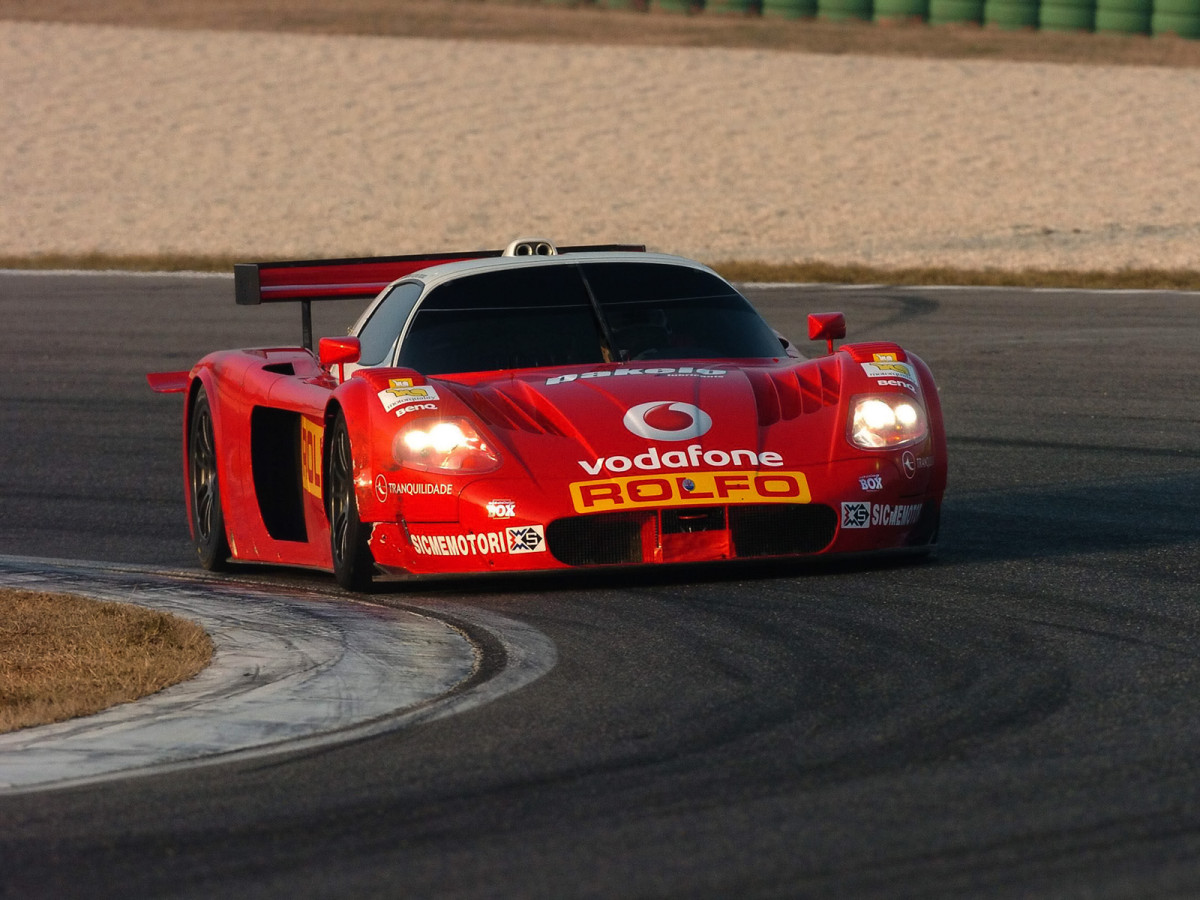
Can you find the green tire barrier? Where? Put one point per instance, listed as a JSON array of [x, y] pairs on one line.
[[842, 10], [1181, 17], [1177, 7], [730, 7], [1011, 13], [951, 12], [790, 9], [1125, 16], [1174, 23], [901, 10], [1067, 15]]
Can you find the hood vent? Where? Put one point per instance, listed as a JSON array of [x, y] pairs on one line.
[[517, 408], [785, 395]]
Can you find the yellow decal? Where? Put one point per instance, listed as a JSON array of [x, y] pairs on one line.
[[690, 489], [885, 357], [310, 455]]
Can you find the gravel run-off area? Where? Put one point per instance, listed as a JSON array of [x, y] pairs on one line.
[[273, 145]]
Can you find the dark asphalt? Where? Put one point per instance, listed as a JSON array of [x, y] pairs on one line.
[[1018, 718]]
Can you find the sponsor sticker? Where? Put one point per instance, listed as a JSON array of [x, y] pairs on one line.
[[623, 372], [501, 509], [310, 456], [912, 463], [526, 539], [870, 482], [861, 514], [520, 539], [884, 357], [414, 407], [651, 460], [662, 420], [895, 514], [385, 488], [689, 489], [401, 392], [856, 514], [899, 370]]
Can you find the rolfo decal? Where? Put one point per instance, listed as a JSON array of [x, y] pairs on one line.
[[663, 420], [690, 489], [401, 392], [310, 455], [521, 539]]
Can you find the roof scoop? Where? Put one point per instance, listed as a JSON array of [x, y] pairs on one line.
[[531, 247]]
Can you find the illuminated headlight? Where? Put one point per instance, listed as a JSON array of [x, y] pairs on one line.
[[884, 421], [443, 445]]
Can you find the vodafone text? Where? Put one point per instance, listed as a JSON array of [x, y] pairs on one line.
[[651, 460]]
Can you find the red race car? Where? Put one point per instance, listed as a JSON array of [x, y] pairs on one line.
[[550, 408]]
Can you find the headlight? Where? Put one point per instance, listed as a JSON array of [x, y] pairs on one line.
[[443, 445], [885, 421]]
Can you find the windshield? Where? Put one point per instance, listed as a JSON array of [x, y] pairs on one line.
[[588, 313]]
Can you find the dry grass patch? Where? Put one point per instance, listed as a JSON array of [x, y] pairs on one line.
[[63, 656]]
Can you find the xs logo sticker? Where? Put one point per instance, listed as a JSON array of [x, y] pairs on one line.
[[529, 539], [856, 515]]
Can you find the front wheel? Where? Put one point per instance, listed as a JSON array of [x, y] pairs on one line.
[[204, 489], [353, 564]]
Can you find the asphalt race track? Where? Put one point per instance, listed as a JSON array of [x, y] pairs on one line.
[[1018, 718]]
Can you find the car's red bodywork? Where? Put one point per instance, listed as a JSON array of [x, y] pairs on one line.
[[599, 464]]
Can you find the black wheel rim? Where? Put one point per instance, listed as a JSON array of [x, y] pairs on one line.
[[341, 497], [205, 499]]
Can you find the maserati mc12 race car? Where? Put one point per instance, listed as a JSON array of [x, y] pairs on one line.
[[549, 408]]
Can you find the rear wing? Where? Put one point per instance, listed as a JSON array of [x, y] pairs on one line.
[[303, 281]]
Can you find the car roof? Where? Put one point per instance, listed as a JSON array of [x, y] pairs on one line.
[[439, 274]]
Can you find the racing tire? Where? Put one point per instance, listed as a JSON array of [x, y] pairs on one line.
[[204, 489], [353, 565]]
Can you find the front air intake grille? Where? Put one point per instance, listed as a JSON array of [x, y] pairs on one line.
[[781, 529], [769, 529], [601, 540]]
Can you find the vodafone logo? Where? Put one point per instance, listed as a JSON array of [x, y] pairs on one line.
[[663, 420]]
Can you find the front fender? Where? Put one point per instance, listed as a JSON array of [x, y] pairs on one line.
[[369, 402]]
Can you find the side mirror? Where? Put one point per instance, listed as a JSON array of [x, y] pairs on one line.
[[337, 351], [827, 327]]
